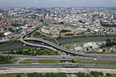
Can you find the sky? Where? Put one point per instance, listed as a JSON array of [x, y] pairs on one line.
[[57, 3]]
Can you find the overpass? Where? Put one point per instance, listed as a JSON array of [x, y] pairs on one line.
[[69, 51], [40, 46]]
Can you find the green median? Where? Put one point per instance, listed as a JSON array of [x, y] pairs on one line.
[[50, 61]]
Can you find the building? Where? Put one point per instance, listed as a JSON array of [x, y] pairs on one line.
[[9, 34], [91, 44]]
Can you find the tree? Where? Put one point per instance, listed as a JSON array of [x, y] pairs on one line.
[[55, 75], [80, 21], [1, 35], [80, 74], [108, 74], [87, 49], [60, 75], [18, 75], [24, 52], [104, 50], [108, 44], [41, 20], [32, 53], [5, 59], [112, 51], [16, 25], [61, 23], [64, 31], [35, 75], [114, 39], [101, 73], [69, 34], [49, 75], [73, 61], [94, 73], [88, 75], [12, 52], [108, 40], [10, 29]]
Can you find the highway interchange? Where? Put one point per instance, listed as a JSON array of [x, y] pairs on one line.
[[65, 50], [47, 44], [54, 46]]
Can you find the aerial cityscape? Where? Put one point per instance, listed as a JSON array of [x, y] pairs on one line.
[[54, 38]]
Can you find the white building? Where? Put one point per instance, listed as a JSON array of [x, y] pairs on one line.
[[91, 44]]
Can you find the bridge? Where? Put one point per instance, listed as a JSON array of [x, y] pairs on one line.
[[44, 46], [64, 49]]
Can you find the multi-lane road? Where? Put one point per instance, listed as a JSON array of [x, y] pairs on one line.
[[64, 65], [54, 70], [61, 58]]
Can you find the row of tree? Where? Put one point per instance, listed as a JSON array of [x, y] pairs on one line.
[[93, 74], [109, 43], [80, 74], [62, 31], [46, 75], [39, 35], [16, 25], [5, 59], [33, 52], [109, 40]]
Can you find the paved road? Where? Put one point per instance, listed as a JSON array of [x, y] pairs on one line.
[[54, 70], [64, 65], [37, 45], [61, 58], [66, 50], [2, 41]]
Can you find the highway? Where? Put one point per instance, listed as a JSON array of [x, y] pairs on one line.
[[54, 70], [64, 65], [64, 57]]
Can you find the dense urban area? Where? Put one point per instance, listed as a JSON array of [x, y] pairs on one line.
[[57, 42]]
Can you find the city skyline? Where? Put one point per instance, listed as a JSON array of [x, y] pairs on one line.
[[58, 3]]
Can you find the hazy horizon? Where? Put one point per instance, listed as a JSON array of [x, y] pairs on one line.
[[58, 3]]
